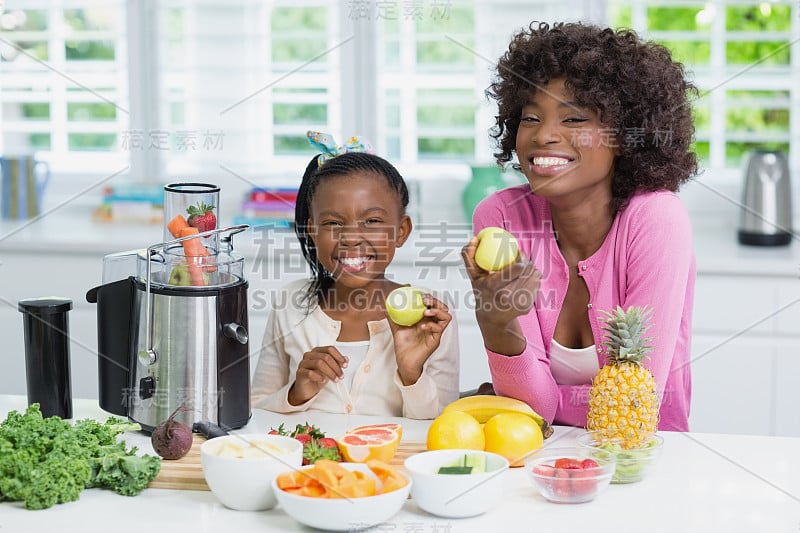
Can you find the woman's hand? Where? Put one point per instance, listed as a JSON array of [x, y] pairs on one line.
[[500, 298], [413, 345], [319, 366]]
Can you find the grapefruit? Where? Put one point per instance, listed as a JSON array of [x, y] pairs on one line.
[[366, 429], [455, 429], [367, 443]]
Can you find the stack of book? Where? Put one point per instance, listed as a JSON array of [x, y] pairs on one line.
[[267, 206], [131, 202]]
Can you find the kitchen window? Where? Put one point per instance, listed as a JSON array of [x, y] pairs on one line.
[[63, 81], [219, 89], [744, 57]]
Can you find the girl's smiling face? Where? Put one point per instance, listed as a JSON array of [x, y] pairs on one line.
[[356, 223], [564, 148]]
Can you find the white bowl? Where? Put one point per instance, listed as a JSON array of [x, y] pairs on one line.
[[244, 483], [455, 496], [343, 514]]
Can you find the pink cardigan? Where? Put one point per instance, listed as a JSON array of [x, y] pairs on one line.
[[646, 259]]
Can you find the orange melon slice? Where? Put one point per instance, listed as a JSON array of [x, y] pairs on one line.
[[390, 478], [364, 443]]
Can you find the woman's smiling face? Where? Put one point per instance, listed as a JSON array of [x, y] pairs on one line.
[[356, 223], [562, 148]]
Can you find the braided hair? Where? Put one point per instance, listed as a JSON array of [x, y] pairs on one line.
[[342, 165]]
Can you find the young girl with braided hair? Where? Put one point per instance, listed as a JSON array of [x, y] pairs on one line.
[[329, 345]]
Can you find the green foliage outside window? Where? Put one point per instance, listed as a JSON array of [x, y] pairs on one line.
[[79, 112], [291, 144], [287, 23], [92, 142], [442, 147], [89, 50], [40, 111], [300, 113], [756, 113]]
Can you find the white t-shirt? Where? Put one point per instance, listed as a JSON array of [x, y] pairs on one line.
[[573, 366], [356, 352]]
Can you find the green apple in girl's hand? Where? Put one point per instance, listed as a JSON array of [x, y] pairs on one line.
[[496, 249], [405, 306]]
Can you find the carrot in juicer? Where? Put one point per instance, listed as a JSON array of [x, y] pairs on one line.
[[176, 225], [194, 251]]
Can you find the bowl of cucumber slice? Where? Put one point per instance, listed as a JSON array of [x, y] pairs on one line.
[[456, 483], [632, 463]]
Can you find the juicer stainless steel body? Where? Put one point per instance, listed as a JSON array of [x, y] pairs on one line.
[[163, 347]]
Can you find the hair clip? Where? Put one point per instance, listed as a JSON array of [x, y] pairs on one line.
[[325, 143]]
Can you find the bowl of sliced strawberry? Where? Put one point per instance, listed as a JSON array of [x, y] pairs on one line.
[[570, 475]]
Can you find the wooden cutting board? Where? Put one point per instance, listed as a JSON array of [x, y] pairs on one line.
[[187, 474]]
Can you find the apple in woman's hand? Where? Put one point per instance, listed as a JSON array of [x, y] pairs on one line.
[[496, 249], [405, 306]]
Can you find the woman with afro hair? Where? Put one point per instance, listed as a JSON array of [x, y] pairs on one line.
[[599, 122]]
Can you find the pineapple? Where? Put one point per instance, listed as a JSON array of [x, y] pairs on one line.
[[623, 400]]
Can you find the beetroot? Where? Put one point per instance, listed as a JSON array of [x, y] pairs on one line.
[[172, 439]]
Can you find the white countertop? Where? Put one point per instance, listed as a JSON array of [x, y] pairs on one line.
[[70, 230], [701, 482]]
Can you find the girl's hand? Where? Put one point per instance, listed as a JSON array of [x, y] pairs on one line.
[[500, 298], [319, 366], [413, 345]]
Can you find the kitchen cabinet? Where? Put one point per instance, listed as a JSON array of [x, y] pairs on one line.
[[746, 354]]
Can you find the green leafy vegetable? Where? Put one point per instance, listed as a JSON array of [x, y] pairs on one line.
[[45, 461]]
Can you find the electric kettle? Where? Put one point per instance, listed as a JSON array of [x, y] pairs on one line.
[[766, 209]]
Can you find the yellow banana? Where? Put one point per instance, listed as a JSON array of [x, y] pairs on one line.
[[482, 407]]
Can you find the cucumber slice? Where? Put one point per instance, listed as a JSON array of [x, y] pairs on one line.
[[476, 461], [455, 470]]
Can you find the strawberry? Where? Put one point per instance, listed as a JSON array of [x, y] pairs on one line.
[[307, 429], [330, 444], [304, 438], [568, 464], [589, 463], [277, 431], [323, 448], [201, 217], [562, 486], [582, 483]]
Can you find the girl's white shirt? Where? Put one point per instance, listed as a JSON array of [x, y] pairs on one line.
[[356, 353], [376, 388]]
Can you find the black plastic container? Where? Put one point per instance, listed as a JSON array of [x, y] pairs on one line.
[[46, 329]]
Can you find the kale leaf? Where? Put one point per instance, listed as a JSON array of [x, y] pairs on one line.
[[45, 461]]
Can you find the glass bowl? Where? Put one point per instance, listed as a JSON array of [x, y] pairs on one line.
[[570, 475], [632, 464]]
